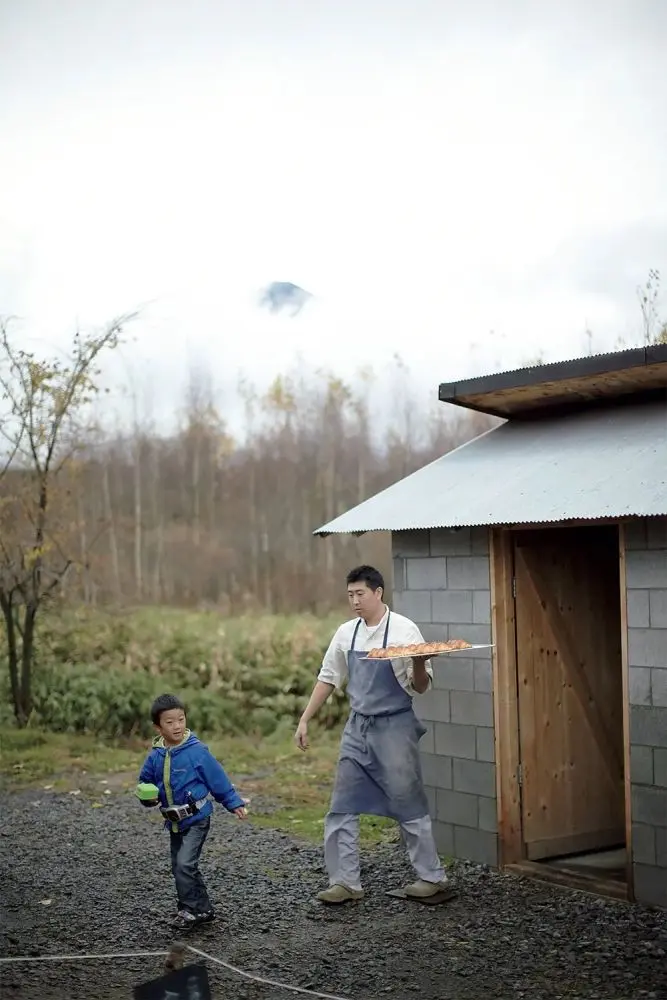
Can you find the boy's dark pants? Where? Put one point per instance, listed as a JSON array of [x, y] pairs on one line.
[[186, 847]]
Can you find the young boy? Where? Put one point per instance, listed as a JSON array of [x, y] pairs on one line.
[[184, 772]]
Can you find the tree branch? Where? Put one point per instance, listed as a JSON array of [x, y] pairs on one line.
[[57, 578]]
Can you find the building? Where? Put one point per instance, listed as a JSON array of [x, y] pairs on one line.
[[547, 537]]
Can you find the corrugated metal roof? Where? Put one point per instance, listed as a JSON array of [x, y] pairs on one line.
[[603, 463]]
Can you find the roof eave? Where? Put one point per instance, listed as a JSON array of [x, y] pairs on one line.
[[463, 392]]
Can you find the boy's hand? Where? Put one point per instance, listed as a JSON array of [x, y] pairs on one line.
[[241, 812], [147, 793]]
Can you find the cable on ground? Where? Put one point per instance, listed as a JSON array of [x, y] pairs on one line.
[[16, 959]]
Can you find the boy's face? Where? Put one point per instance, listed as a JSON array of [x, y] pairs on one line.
[[172, 726]]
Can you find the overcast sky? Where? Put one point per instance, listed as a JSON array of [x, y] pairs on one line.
[[429, 170]]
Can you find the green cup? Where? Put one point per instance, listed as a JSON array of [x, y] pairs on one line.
[[147, 792]]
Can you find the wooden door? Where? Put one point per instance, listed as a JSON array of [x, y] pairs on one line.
[[568, 633]]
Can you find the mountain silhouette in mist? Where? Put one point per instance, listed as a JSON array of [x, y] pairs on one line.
[[281, 296]]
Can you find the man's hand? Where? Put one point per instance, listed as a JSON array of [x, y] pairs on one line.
[[301, 736], [321, 692], [420, 677]]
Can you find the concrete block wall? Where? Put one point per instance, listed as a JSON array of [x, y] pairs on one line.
[[442, 582], [646, 582]]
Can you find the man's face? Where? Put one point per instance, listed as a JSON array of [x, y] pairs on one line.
[[172, 726], [364, 601]]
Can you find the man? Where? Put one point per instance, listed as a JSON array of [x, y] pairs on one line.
[[379, 770]]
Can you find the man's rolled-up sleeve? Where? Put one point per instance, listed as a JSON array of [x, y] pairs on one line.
[[334, 665]]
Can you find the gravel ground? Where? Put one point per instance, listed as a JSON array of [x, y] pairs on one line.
[[106, 873]]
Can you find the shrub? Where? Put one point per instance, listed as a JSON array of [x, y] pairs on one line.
[[88, 700], [98, 672]]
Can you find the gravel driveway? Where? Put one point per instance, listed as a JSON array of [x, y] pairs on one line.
[[105, 872]]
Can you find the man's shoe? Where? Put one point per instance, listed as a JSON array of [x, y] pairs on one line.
[[205, 918], [336, 894], [423, 890]]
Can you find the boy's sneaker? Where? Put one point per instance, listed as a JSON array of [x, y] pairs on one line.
[[184, 921]]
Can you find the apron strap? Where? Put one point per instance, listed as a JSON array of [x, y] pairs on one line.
[[386, 632]]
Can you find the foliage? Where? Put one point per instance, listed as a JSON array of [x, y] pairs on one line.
[[96, 672], [244, 680], [43, 404], [194, 516]]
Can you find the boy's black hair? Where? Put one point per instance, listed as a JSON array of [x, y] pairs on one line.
[[366, 574], [164, 703]]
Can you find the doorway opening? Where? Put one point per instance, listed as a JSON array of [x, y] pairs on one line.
[[566, 626]]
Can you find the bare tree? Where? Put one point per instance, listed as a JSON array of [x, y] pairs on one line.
[[652, 328]]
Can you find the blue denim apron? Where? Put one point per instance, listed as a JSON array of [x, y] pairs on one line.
[[379, 770]]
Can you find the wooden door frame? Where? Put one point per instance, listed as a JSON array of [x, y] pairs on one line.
[[626, 711], [511, 846]]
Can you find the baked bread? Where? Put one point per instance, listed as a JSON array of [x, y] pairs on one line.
[[417, 649]]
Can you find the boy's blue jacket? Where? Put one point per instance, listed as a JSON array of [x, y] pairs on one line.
[[188, 767]]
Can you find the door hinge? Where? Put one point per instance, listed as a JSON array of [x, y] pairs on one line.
[[514, 587], [519, 775]]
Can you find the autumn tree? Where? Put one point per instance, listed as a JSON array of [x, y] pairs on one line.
[[43, 422]]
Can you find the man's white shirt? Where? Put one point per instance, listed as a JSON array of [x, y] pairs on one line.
[[402, 632]]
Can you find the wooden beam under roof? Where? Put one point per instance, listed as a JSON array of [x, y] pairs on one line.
[[566, 385]]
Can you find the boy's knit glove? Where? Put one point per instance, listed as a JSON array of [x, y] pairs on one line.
[[147, 794]]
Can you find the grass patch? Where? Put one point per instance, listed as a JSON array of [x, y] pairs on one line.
[[309, 824], [31, 757], [292, 788]]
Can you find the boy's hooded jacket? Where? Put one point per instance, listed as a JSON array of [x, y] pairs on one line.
[[188, 767]]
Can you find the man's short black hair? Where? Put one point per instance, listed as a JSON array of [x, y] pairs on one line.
[[366, 574], [164, 703]]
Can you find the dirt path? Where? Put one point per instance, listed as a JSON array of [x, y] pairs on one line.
[[105, 872]]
